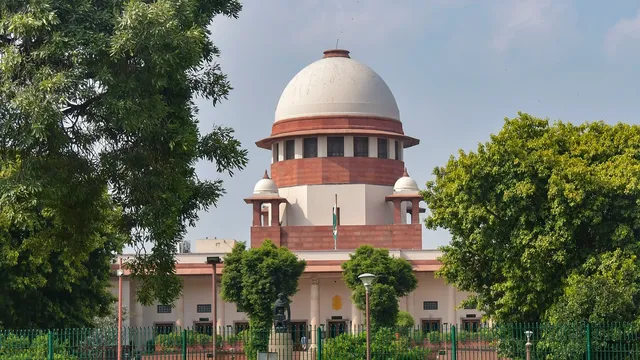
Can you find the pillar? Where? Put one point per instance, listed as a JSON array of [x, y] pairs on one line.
[[410, 305], [397, 214], [415, 211], [355, 316], [180, 312], [452, 305], [275, 213], [257, 208], [221, 306], [314, 318], [138, 312]]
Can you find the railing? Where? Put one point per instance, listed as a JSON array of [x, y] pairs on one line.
[[467, 341]]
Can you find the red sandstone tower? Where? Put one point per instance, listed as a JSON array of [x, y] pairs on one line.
[[337, 134]]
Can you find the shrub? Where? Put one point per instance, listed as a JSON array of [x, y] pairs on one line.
[[15, 347], [384, 345], [174, 340]]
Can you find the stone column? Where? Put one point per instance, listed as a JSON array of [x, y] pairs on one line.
[[275, 213], [415, 211], [180, 312], [410, 305], [397, 213], [314, 318], [452, 306], [355, 317], [221, 306], [257, 208]]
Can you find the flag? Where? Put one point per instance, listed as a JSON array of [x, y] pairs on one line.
[[335, 223]]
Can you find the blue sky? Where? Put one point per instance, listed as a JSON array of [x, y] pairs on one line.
[[457, 68]]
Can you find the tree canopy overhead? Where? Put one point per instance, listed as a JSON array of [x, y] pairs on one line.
[[394, 279], [540, 216], [97, 115]]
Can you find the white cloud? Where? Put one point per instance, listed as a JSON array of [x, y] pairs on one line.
[[528, 21], [625, 31]]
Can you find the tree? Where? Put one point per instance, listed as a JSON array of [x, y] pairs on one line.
[[394, 279], [97, 96], [532, 214], [253, 278], [42, 286]]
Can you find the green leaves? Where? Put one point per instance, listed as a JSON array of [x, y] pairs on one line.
[[531, 206], [252, 279], [99, 129], [394, 279]]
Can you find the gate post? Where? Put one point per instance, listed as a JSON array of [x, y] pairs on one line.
[[319, 342], [50, 345], [454, 343], [588, 341]]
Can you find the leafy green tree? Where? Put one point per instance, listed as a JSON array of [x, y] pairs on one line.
[[394, 279], [41, 285], [253, 278], [534, 212], [97, 96]]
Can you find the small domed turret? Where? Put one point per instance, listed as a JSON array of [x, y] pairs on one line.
[[405, 184], [265, 186]]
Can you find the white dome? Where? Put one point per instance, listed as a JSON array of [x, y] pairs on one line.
[[337, 85], [405, 184], [265, 186]]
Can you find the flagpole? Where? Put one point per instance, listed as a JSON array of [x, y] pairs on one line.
[[335, 223]]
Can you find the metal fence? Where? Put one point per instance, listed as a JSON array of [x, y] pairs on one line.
[[465, 341]]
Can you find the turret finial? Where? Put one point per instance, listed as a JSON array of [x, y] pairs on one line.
[[266, 174], [405, 173]]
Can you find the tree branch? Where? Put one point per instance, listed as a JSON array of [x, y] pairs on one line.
[[83, 106], [491, 213]]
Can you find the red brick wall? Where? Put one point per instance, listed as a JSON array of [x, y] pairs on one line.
[[335, 123], [337, 170], [260, 233], [400, 236]]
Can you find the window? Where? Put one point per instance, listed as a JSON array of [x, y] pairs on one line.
[[383, 151], [276, 152], [430, 305], [204, 328], [164, 309], [241, 326], [289, 149], [397, 145], [471, 325], [335, 146], [336, 327], [298, 330], [203, 308], [163, 328], [310, 147], [360, 146], [430, 325]]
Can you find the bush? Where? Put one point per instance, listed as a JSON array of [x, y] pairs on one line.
[[174, 340], [257, 339], [15, 347], [384, 345], [405, 322]]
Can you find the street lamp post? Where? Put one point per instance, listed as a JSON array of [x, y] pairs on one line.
[[528, 333], [120, 272], [214, 260], [367, 279]]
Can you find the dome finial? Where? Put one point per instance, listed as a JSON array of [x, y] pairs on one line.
[[266, 174], [405, 173], [336, 53]]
